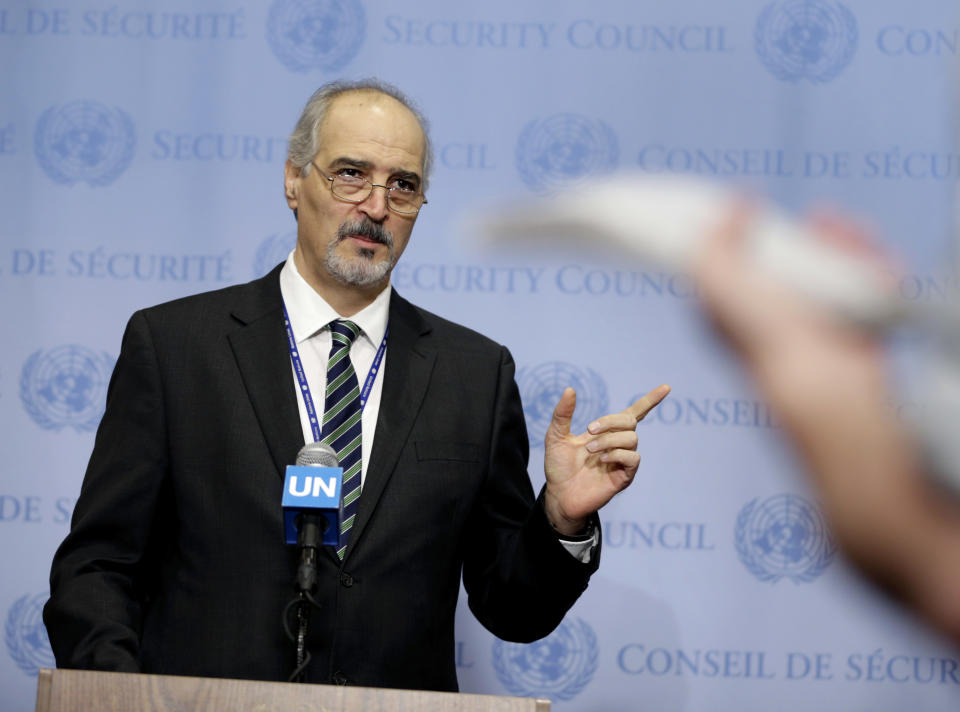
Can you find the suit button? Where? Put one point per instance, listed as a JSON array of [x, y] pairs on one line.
[[346, 580], [339, 678]]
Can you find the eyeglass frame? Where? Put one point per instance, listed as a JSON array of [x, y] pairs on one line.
[[372, 185]]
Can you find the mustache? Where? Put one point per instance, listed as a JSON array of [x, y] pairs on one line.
[[368, 229]]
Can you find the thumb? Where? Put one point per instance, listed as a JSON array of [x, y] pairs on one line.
[[563, 414]]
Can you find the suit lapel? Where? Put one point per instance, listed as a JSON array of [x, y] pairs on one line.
[[260, 348], [406, 376]]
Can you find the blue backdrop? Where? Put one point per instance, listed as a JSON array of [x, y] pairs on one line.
[[141, 155]]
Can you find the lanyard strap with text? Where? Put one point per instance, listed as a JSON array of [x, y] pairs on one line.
[[302, 376]]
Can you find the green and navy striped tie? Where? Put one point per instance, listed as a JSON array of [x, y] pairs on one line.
[[341, 421]]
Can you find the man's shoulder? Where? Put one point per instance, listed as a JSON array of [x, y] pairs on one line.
[[446, 333], [248, 300]]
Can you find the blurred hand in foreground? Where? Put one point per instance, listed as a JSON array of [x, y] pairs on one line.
[[828, 384]]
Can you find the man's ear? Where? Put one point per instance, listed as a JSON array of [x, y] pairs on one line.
[[291, 184]]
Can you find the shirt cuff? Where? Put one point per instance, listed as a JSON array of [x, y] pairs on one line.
[[582, 547]]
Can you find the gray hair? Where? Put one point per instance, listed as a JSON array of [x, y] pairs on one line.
[[303, 143]]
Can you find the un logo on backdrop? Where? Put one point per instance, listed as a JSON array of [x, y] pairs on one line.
[[563, 148], [540, 390], [26, 636], [557, 667], [272, 251], [316, 34], [65, 386], [84, 141], [806, 39], [783, 537]]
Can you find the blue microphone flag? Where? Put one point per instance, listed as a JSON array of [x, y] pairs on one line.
[[312, 490]]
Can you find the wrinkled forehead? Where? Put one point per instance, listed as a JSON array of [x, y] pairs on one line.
[[375, 123]]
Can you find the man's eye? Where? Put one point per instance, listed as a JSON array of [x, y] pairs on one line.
[[405, 185], [349, 174]]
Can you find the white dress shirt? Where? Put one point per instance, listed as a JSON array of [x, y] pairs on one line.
[[310, 318]]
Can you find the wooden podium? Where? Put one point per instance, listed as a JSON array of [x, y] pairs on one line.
[[85, 691]]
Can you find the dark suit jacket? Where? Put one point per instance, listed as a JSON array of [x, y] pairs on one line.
[[175, 562]]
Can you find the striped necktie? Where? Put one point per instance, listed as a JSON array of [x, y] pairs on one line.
[[341, 421]]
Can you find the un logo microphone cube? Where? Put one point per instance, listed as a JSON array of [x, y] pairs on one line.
[[312, 490]]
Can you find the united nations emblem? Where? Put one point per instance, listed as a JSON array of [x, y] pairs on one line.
[[806, 39], [540, 390], [783, 536], [272, 251], [84, 141], [557, 667], [316, 34], [26, 636], [556, 151], [65, 386]]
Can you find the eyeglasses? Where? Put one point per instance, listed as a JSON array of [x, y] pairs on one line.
[[356, 189]]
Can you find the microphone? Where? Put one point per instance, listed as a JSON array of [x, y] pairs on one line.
[[311, 506]]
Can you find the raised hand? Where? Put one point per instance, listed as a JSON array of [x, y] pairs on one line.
[[585, 471]]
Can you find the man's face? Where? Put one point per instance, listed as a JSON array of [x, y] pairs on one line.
[[366, 134]]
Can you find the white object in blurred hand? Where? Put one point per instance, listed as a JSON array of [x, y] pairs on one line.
[[664, 220]]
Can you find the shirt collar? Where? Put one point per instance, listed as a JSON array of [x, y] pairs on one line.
[[310, 313]]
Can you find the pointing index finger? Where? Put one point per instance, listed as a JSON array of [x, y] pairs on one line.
[[648, 402], [627, 419]]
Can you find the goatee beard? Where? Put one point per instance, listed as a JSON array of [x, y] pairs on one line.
[[360, 269]]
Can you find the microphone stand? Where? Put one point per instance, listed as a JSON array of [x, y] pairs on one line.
[[309, 540]]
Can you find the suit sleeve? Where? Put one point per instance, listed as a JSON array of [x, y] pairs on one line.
[[101, 573], [519, 578]]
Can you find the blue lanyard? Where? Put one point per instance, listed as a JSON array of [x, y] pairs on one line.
[[302, 376]]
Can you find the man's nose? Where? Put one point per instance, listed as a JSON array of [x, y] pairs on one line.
[[375, 206]]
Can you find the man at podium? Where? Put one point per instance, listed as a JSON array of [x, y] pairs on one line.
[[175, 562]]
